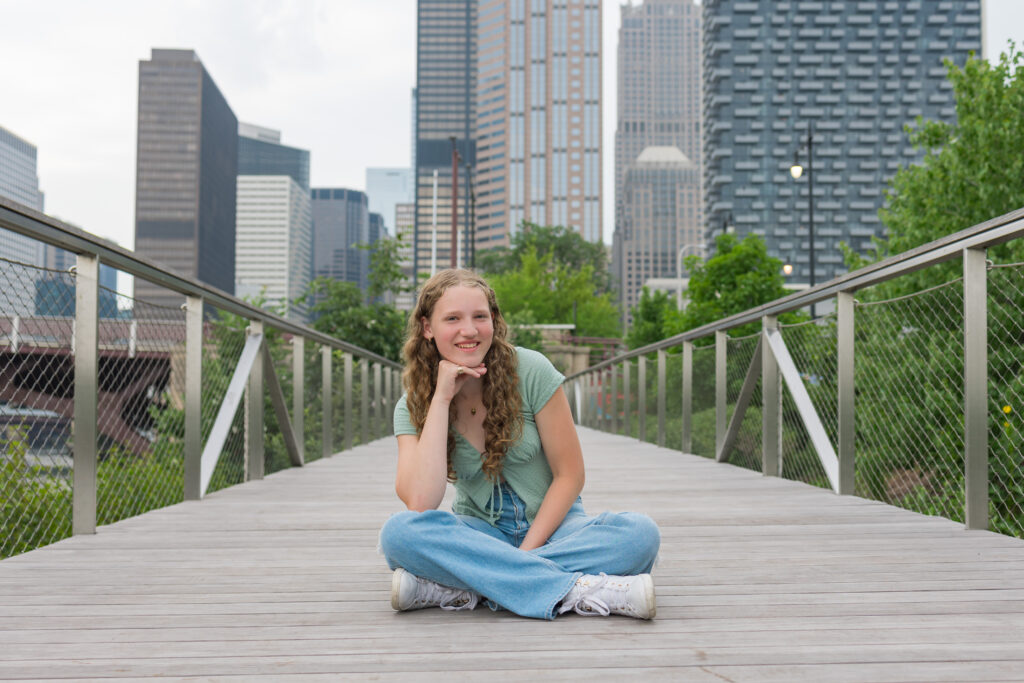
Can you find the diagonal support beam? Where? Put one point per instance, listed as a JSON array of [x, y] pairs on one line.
[[815, 429], [228, 408], [280, 409], [749, 384]]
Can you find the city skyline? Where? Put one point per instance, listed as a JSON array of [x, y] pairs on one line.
[[87, 150]]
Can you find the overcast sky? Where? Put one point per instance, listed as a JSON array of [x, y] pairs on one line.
[[334, 76]]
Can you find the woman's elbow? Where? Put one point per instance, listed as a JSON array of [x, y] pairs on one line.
[[416, 501]]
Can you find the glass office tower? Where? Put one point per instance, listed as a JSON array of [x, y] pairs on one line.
[[538, 117], [854, 74], [445, 109], [186, 170]]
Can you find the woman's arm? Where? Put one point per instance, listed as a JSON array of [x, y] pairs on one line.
[[562, 448], [423, 460]]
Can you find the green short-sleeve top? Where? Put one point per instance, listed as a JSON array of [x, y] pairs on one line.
[[525, 468]]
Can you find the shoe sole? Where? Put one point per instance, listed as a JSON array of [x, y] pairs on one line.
[[652, 606], [396, 588]]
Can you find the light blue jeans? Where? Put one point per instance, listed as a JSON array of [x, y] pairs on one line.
[[468, 553]]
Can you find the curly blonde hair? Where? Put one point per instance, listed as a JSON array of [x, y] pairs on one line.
[[503, 421]]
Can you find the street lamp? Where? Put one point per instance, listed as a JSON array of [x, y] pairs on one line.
[[796, 170], [679, 270]]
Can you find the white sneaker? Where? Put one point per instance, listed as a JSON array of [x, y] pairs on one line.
[[411, 592], [630, 596]]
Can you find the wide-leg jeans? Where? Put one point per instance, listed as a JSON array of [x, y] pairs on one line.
[[466, 552]]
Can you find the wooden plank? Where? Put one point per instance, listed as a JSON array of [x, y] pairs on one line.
[[759, 579]]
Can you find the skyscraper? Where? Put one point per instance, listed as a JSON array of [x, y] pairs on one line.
[[658, 205], [659, 220], [854, 74], [445, 108], [386, 188], [274, 241], [186, 171], [341, 221], [260, 152], [19, 182], [538, 124], [405, 218]]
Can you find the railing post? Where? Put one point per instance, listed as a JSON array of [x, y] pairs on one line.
[[641, 399], [975, 388], [193, 396], [721, 379], [364, 401], [254, 450], [845, 307], [378, 406], [771, 396], [86, 352], [348, 401], [687, 398], [627, 398], [661, 397], [614, 402], [386, 424], [299, 393], [326, 403], [586, 400]]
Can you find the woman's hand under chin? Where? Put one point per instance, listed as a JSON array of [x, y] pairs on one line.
[[451, 377]]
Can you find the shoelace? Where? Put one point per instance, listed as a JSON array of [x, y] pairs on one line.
[[429, 593], [587, 603]]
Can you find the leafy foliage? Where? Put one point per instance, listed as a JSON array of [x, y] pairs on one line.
[[556, 292], [739, 276], [653, 315], [340, 312], [972, 170], [565, 245]]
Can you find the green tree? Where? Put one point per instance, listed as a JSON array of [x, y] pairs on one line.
[[972, 170], [565, 245], [555, 292], [386, 274], [653, 316], [740, 276], [339, 311]]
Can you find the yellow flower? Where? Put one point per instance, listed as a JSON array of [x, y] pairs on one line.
[[1007, 409], [1006, 424]]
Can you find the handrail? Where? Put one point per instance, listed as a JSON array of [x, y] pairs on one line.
[[25, 221], [946, 467], [111, 437], [989, 233]]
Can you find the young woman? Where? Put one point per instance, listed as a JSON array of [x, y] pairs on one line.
[[493, 420]]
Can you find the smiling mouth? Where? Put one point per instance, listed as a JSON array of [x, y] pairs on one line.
[[467, 347]]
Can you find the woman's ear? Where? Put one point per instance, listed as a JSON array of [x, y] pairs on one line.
[[425, 327]]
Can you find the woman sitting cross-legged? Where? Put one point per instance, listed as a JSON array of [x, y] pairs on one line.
[[493, 419]]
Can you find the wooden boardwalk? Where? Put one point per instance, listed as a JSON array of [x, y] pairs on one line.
[[760, 579]]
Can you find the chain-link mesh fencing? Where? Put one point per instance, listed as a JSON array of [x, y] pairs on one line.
[[813, 348], [746, 449], [702, 423], [37, 308], [140, 407], [909, 379], [313, 392], [224, 336], [674, 398], [1006, 398], [275, 451]]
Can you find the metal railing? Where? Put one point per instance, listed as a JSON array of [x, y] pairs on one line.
[[110, 408], [914, 399]]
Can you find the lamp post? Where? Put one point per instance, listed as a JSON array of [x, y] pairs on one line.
[[679, 270], [796, 170]]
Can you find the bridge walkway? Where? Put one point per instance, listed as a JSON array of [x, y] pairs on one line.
[[760, 579]]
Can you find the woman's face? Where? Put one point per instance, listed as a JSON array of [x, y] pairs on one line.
[[461, 325]]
